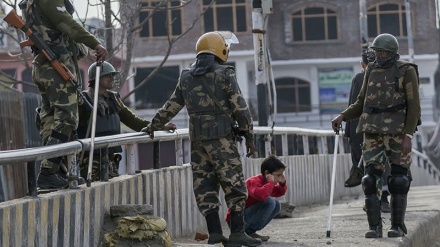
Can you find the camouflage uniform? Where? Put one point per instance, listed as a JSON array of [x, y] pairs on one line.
[[215, 159], [65, 37], [388, 107], [111, 112], [379, 92]]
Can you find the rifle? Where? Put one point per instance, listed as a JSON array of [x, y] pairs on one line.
[[35, 39]]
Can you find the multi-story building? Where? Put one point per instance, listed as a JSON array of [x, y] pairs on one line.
[[315, 51]]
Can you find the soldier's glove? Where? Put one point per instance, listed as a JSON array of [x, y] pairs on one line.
[[149, 131]]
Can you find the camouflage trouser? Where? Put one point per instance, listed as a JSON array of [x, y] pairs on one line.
[[381, 151], [217, 163], [59, 106]]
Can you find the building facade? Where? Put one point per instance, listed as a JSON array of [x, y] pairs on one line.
[[315, 51]]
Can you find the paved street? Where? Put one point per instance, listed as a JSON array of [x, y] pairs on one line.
[[308, 226]]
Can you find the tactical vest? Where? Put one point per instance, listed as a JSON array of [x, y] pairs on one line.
[[206, 120], [108, 124], [56, 40], [385, 107]]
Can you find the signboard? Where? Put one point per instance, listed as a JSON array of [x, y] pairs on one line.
[[334, 89]]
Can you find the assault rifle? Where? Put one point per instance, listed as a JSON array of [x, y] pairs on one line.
[[34, 39]]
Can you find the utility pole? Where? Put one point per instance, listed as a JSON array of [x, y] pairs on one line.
[[409, 31], [363, 24], [108, 28], [260, 10], [437, 74]]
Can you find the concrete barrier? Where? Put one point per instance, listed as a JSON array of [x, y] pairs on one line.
[[75, 217]]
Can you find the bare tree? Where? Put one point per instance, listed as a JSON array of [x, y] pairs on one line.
[[132, 30], [23, 55], [124, 21]]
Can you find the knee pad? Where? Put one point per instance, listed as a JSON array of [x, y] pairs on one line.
[[399, 181], [369, 181], [369, 184], [399, 184]]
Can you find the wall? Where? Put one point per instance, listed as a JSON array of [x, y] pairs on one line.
[[75, 217]]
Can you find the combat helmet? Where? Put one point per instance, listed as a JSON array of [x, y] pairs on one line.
[[217, 43], [106, 69], [385, 42]]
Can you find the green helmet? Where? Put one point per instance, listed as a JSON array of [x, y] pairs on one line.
[[385, 42], [106, 69]]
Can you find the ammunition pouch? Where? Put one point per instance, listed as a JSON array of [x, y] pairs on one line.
[[206, 127]]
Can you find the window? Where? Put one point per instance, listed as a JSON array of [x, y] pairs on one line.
[[293, 95], [314, 23], [230, 15], [158, 89], [386, 18], [166, 18]]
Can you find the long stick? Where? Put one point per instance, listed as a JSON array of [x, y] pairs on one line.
[[332, 190], [92, 135]]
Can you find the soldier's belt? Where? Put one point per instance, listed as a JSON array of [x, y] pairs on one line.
[[373, 110]]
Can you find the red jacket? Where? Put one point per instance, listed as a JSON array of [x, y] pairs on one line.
[[259, 189]]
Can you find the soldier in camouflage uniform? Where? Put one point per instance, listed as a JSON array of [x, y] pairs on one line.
[[356, 139], [52, 19], [388, 106], [111, 112], [215, 159]]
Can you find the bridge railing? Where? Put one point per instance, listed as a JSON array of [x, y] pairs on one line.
[[278, 140], [76, 217]]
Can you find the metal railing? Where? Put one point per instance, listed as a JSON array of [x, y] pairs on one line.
[[321, 146]]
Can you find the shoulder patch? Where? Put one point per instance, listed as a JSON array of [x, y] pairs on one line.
[[61, 9]]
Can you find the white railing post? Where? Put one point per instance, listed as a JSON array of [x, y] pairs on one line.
[[305, 140], [284, 145], [131, 160], [268, 145], [179, 152]]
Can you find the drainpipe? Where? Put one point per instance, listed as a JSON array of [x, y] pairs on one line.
[[363, 24], [409, 31]]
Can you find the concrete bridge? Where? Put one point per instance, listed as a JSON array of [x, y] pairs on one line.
[[74, 217]]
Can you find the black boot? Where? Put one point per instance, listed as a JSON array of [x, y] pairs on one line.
[[355, 178], [215, 229], [372, 206], [398, 207], [238, 237], [47, 180]]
